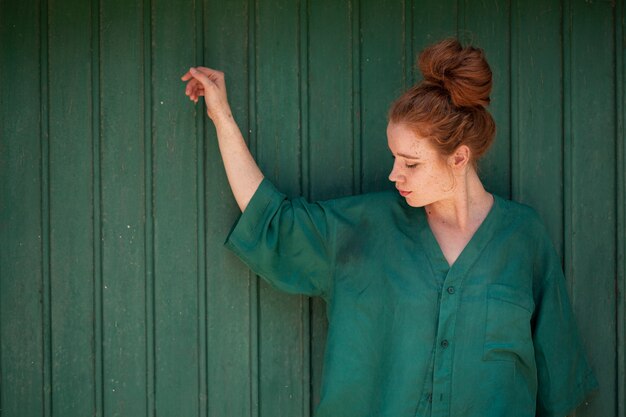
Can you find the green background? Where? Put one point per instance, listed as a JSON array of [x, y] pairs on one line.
[[117, 297]]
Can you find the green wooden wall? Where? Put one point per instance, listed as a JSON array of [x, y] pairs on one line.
[[117, 297]]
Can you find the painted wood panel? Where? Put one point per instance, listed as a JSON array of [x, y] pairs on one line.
[[231, 290], [117, 296], [590, 192], [171, 155], [24, 216], [71, 199], [620, 231], [127, 285], [537, 111]]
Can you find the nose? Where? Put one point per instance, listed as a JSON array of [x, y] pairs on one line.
[[394, 175]]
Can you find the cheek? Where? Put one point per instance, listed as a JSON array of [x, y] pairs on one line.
[[437, 178], [442, 179], [431, 177]]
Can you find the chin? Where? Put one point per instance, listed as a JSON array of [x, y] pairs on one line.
[[414, 203]]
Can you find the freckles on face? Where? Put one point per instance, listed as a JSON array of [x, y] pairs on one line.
[[418, 171]]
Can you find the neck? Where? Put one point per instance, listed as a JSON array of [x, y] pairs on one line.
[[464, 207]]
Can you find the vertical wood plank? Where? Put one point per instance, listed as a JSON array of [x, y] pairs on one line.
[[620, 45], [22, 137], [432, 22], [255, 391], [201, 233], [230, 318], [382, 80], [357, 169], [330, 100], [536, 111], [97, 210], [71, 210], [330, 149], [590, 190], [486, 24], [175, 212], [281, 333], [149, 207], [45, 210], [123, 210]]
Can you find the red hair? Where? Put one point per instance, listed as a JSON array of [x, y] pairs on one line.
[[449, 105]]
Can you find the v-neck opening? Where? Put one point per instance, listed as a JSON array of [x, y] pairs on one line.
[[476, 242]]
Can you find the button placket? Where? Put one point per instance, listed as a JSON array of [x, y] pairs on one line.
[[446, 329]]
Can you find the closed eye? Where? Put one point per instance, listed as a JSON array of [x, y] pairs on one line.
[[406, 164]]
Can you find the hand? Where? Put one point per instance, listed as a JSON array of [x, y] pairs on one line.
[[209, 83]]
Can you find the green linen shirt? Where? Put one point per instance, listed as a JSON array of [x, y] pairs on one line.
[[493, 335]]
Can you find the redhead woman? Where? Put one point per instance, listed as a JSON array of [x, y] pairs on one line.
[[443, 299]]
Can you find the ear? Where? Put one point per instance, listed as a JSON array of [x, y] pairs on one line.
[[460, 157]]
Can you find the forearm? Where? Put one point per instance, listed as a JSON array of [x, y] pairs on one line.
[[244, 175], [242, 171]]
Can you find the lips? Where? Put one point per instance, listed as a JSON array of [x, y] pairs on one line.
[[404, 193]]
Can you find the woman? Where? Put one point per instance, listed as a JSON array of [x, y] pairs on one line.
[[443, 299]]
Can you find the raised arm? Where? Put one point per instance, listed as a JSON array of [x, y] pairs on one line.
[[244, 175]]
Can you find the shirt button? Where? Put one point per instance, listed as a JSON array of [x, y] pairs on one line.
[[444, 343], [450, 290]]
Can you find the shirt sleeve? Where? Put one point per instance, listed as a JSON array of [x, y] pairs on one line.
[[285, 241], [565, 378]]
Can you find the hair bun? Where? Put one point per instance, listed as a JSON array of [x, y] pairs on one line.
[[463, 72]]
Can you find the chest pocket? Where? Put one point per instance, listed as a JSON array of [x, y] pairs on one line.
[[508, 335]]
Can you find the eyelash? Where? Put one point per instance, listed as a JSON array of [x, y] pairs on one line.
[[407, 165]]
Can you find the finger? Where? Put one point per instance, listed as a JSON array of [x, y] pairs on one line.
[[214, 75], [197, 90], [202, 78], [207, 71], [194, 89], [191, 85], [188, 76]]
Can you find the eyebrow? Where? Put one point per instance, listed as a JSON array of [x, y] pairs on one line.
[[408, 156]]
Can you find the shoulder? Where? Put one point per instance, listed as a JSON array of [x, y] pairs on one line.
[[366, 199], [529, 231], [522, 218], [363, 208], [522, 228], [371, 202]]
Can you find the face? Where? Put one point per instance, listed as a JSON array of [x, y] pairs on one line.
[[421, 175]]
